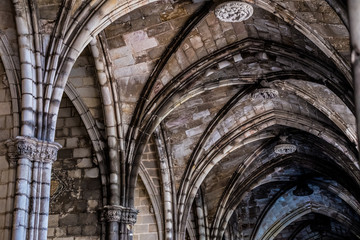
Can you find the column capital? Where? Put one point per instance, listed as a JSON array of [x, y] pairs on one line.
[[117, 213], [33, 149]]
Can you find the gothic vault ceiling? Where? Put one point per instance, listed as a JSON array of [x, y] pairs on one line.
[[213, 100]]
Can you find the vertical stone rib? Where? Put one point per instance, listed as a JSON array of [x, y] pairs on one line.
[[45, 200], [112, 133], [166, 185], [27, 68], [22, 194], [354, 9], [201, 216]]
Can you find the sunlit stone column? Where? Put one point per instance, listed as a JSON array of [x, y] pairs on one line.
[[33, 159]]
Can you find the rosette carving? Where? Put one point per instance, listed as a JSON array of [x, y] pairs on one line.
[[234, 11]]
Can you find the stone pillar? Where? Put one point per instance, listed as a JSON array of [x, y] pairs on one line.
[[33, 159], [124, 218], [354, 16]]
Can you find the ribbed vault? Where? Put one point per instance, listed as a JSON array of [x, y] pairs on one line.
[[183, 116]]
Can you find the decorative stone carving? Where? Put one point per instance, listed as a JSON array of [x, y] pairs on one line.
[[265, 94], [234, 11], [284, 147], [33, 149], [120, 214], [60, 184]]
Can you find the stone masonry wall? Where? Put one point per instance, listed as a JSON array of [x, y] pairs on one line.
[[145, 227], [7, 172], [76, 188]]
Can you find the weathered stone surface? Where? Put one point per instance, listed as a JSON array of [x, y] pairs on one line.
[[204, 143]]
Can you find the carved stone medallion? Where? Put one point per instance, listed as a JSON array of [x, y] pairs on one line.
[[234, 11], [265, 94], [285, 148]]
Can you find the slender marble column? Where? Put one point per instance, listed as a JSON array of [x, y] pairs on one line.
[[33, 159]]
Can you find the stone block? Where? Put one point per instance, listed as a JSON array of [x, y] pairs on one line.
[[5, 108], [92, 172], [139, 41], [68, 220], [74, 173], [65, 153], [89, 230], [59, 232], [141, 228], [4, 164], [148, 236], [74, 230], [88, 219], [196, 42], [53, 220], [82, 152], [72, 142], [2, 122], [160, 28], [84, 163]]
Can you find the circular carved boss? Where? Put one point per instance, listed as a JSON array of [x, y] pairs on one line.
[[234, 11]]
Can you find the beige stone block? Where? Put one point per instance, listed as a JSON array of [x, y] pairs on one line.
[[82, 152], [3, 191], [148, 236], [74, 173], [153, 228], [88, 81], [92, 173], [141, 228], [59, 232], [3, 122], [88, 92], [4, 164], [72, 142], [4, 134], [92, 102], [139, 41], [51, 232], [2, 205], [53, 220], [4, 176], [84, 163], [5, 108]]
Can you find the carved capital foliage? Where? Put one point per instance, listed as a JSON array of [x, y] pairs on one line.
[[33, 149], [120, 214]]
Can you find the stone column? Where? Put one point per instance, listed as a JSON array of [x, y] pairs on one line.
[[354, 16], [33, 159], [125, 217]]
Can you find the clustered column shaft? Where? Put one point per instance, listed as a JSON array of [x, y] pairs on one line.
[[354, 15], [124, 216], [33, 159]]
